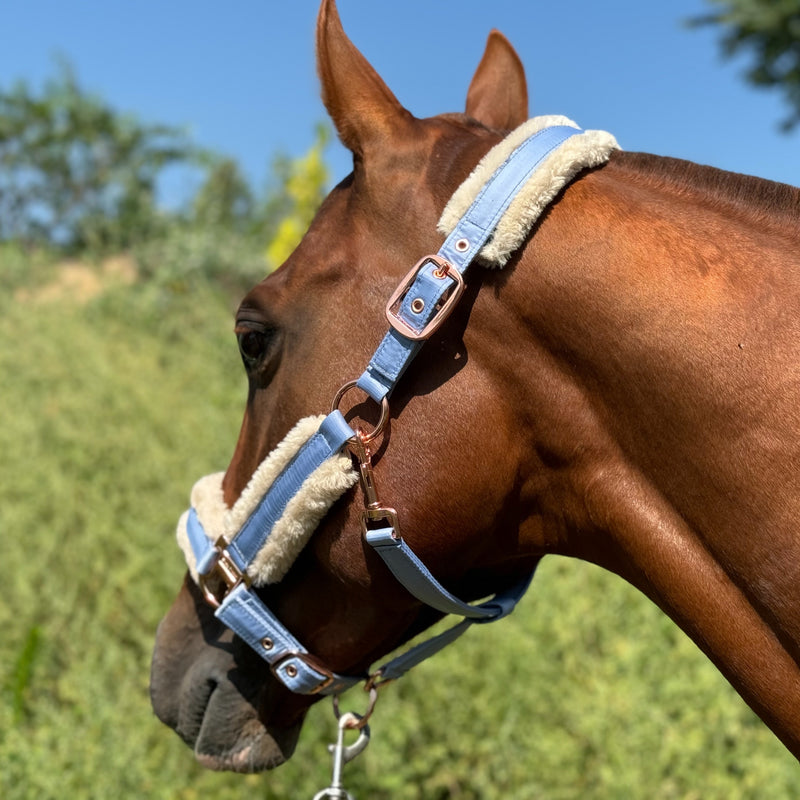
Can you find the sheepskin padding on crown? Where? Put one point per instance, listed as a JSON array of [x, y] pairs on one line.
[[590, 149]]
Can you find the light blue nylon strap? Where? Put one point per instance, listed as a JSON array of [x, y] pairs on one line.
[[248, 617], [244, 613], [242, 610], [204, 551], [398, 666], [504, 601], [396, 351], [497, 194], [417, 579], [326, 442]]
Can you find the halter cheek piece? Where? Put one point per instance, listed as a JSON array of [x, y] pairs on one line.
[[417, 308]]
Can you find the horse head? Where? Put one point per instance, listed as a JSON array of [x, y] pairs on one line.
[[450, 461], [622, 391]]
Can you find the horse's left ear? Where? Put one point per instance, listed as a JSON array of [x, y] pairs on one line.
[[361, 105], [498, 94]]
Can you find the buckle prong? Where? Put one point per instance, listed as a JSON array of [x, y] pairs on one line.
[[444, 269]]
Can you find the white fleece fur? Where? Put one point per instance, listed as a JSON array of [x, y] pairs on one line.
[[589, 149], [300, 518]]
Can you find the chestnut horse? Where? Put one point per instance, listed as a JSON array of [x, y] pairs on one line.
[[624, 391]]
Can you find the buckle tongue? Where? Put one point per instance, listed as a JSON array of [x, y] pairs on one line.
[[444, 269]]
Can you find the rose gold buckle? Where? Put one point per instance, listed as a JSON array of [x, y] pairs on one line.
[[226, 571], [444, 269]]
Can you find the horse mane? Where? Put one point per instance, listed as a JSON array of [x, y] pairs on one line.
[[765, 202]]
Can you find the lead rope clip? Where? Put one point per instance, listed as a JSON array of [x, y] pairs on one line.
[[374, 514], [343, 753]]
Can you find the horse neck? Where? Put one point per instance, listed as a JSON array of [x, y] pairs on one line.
[[660, 382]]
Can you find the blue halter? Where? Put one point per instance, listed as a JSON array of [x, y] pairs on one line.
[[419, 306]]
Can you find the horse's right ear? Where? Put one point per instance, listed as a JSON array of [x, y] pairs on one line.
[[362, 107], [498, 94]]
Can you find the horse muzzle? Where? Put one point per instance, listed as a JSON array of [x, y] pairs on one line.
[[209, 688]]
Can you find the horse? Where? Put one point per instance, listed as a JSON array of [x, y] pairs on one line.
[[623, 391]]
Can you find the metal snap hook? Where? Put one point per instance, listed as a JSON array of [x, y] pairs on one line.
[[343, 753], [351, 721], [357, 721]]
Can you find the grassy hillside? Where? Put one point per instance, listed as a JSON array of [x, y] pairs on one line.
[[112, 405]]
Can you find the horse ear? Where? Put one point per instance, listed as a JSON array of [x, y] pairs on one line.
[[360, 104], [498, 94]]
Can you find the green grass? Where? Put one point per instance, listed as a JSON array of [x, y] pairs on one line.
[[110, 411]]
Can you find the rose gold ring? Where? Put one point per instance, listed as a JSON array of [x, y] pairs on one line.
[[366, 436]]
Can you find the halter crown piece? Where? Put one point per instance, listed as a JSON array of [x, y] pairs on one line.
[[230, 551]]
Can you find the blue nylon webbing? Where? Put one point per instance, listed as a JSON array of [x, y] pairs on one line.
[[327, 441], [396, 351]]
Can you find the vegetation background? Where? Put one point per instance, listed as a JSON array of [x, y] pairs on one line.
[[120, 384]]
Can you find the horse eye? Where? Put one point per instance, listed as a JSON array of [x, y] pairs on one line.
[[252, 346]]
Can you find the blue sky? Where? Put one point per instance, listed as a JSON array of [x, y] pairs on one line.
[[241, 76]]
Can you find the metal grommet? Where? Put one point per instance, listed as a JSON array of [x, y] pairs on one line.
[[267, 643], [462, 245], [291, 670], [417, 305]]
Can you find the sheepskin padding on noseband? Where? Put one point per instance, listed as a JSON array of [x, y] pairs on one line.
[[590, 149], [300, 518]]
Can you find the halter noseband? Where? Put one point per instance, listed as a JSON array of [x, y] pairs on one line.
[[417, 308]]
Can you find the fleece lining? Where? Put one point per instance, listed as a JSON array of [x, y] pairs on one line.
[[299, 520], [589, 149]]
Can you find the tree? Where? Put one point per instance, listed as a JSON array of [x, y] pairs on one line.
[[225, 198], [770, 31], [303, 184], [76, 173], [79, 177], [232, 236]]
